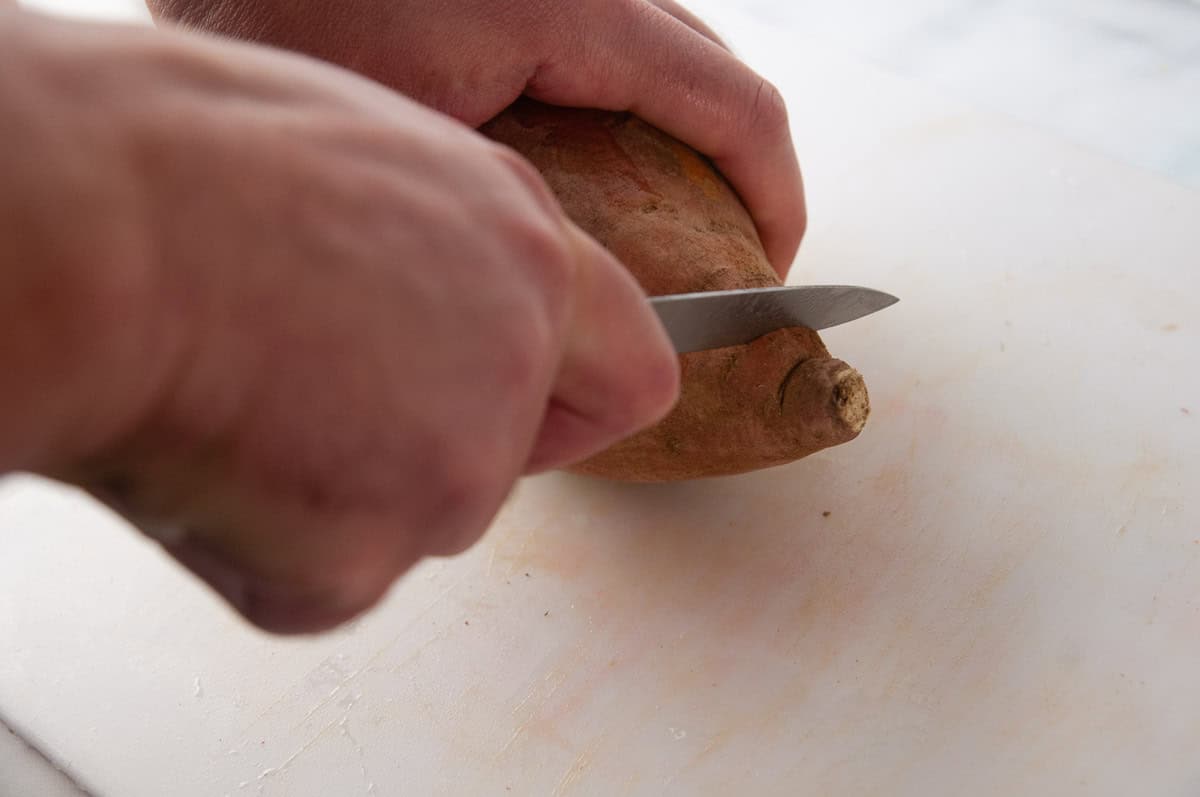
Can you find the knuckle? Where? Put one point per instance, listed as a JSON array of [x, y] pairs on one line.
[[308, 585], [466, 494], [528, 178], [768, 111], [540, 247], [340, 590], [522, 361], [304, 609], [299, 618], [534, 226], [468, 468]]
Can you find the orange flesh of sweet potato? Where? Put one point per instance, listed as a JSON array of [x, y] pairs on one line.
[[676, 224]]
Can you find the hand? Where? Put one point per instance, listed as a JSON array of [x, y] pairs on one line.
[[472, 58], [353, 323]]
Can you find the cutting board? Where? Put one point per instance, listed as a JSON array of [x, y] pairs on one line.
[[994, 591]]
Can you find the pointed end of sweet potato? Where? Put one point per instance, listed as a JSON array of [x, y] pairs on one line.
[[827, 399]]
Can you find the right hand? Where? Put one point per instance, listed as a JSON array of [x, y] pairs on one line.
[[367, 321]]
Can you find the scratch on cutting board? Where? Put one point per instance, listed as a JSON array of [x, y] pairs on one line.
[[271, 772], [532, 708], [577, 769], [286, 696], [714, 743], [521, 559], [491, 563], [555, 679], [347, 678], [344, 727], [572, 775], [328, 699]]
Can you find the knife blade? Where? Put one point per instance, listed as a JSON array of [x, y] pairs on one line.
[[712, 319]]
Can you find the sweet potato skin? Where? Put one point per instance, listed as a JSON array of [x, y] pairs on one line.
[[672, 219], [654, 202]]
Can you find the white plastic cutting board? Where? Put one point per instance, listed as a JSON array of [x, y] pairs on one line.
[[994, 591]]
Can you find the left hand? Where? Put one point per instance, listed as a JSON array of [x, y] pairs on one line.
[[473, 58]]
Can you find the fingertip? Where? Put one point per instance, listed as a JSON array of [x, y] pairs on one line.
[[566, 436], [776, 204], [768, 180], [659, 383], [782, 239], [570, 435]]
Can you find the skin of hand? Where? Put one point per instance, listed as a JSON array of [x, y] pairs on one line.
[[472, 58], [300, 329]]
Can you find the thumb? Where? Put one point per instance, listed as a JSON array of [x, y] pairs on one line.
[[618, 372]]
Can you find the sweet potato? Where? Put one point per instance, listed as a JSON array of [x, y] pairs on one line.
[[675, 223]]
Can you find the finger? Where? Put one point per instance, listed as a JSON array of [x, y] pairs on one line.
[[639, 58], [278, 607], [283, 567], [688, 18], [618, 372]]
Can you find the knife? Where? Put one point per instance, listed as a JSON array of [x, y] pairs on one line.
[[712, 319]]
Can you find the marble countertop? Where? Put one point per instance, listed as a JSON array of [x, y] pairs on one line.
[[1119, 76]]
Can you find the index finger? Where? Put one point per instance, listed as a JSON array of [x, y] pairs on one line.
[[636, 57]]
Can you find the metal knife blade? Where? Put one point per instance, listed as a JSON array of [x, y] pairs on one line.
[[712, 319]]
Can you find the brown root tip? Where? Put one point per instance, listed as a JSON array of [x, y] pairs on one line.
[[827, 398], [850, 399]]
